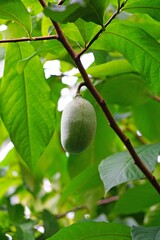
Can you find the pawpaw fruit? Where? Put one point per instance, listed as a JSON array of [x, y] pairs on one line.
[[78, 125]]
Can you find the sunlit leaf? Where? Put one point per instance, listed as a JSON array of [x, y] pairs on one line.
[[26, 105], [15, 10], [93, 230], [144, 6], [139, 48]]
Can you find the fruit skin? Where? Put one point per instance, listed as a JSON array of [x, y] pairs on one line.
[[78, 125]]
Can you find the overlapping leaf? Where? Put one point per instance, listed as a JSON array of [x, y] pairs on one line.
[[15, 10], [120, 168], [26, 106], [88, 10]]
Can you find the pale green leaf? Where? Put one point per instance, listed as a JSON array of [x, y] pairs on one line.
[[93, 230], [143, 233], [15, 10], [120, 168], [26, 106]]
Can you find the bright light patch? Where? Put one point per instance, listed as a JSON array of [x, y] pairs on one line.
[[70, 215], [47, 185], [52, 68], [139, 133], [4, 150], [27, 212], [8, 236], [158, 159], [87, 59], [3, 27]]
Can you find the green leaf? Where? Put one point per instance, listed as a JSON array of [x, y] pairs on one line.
[[139, 48], [15, 10], [152, 216], [120, 168], [112, 68], [89, 10], [26, 106], [139, 197], [50, 225], [25, 231], [140, 233], [151, 113], [16, 213], [152, 8], [93, 230], [82, 182]]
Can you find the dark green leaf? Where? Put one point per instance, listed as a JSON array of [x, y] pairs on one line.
[[89, 10], [137, 199], [15, 10], [120, 168], [93, 230], [26, 106], [142, 233], [152, 216], [151, 113], [82, 182], [16, 213], [143, 6], [50, 225], [25, 231]]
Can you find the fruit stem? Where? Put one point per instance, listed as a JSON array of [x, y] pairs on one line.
[[79, 87]]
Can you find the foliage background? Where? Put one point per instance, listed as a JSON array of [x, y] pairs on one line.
[[43, 189]]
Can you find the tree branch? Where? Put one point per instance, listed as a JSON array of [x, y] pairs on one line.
[[26, 39], [103, 105]]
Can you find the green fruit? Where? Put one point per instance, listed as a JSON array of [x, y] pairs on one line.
[[78, 125]]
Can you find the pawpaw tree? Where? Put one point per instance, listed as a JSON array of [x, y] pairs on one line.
[[79, 119]]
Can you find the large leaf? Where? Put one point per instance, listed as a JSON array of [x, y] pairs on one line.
[[88, 10], [120, 168], [139, 48], [26, 106], [142, 233], [15, 10], [139, 199], [144, 6], [93, 230]]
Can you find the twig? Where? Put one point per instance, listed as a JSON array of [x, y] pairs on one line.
[[26, 39], [79, 87], [157, 98], [75, 209], [103, 105], [101, 30], [61, 2]]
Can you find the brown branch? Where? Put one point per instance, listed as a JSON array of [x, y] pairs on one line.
[[26, 39], [103, 105]]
